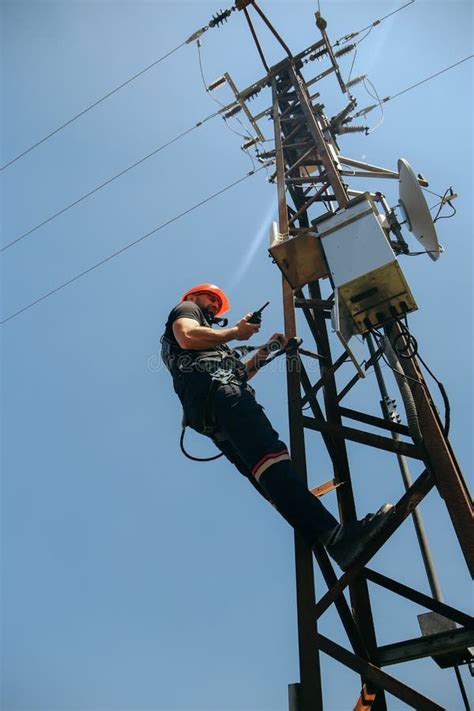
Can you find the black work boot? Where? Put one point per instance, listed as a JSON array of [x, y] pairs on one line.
[[348, 541]]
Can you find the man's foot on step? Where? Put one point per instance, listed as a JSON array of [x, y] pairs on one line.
[[349, 541]]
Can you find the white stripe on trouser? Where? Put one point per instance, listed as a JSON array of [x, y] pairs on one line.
[[268, 463]]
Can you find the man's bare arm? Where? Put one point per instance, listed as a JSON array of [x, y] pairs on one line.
[[253, 364], [191, 336]]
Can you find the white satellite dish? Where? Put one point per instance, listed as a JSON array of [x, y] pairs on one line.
[[417, 212]]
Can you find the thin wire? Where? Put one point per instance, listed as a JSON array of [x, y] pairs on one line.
[[379, 340], [245, 136], [106, 182], [379, 101], [372, 24], [446, 217], [442, 389], [376, 22], [425, 251], [366, 34], [355, 51], [215, 99], [443, 202], [433, 193], [352, 65], [389, 98], [413, 86], [84, 111], [128, 246]]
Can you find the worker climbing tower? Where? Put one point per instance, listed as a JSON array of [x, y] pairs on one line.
[[331, 238]]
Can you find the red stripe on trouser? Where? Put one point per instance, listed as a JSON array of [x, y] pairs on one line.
[[264, 459]]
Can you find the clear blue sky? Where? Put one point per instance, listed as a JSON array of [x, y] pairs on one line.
[[133, 579]]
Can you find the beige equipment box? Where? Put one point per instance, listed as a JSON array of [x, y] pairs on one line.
[[362, 265]]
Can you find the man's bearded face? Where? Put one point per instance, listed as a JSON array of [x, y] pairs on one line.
[[208, 303]]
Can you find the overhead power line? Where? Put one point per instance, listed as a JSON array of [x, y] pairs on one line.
[[107, 182], [367, 109], [351, 35], [130, 245], [216, 21], [189, 130], [423, 81], [91, 106]]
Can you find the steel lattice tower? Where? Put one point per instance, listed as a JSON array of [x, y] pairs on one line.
[[311, 173]]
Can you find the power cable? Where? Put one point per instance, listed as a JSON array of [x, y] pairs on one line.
[[91, 106], [216, 20], [217, 100], [352, 65], [380, 103], [444, 201], [247, 136], [131, 244], [408, 351], [380, 344], [350, 36], [423, 81], [367, 109], [356, 49], [157, 150], [190, 456], [107, 182]]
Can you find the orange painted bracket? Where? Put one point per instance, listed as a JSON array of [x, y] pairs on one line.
[[365, 700], [325, 488]]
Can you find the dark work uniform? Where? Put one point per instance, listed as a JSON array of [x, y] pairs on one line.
[[218, 402]]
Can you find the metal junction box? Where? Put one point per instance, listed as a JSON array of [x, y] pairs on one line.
[[300, 259], [362, 264]]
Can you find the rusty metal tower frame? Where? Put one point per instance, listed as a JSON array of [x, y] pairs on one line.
[[310, 171]]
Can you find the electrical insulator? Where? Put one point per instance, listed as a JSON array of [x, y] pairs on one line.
[[220, 17], [233, 111], [267, 155], [196, 35], [252, 94], [321, 23], [356, 80], [365, 111], [216, 84], [248, 144], [318, 55], [352, 129], [345, 50], [346, 38]]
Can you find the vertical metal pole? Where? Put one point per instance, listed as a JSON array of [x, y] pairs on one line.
[[358, 589], [293, 695], [462, 689], [430, 569], [310, 690], [359, 593], [440, 458], [408, 481]]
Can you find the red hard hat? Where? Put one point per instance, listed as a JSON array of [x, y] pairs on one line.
[[210, 289]]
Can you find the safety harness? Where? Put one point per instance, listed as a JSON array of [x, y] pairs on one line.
[[223, 364]]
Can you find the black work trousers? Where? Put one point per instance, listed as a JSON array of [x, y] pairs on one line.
[[246, 437]]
